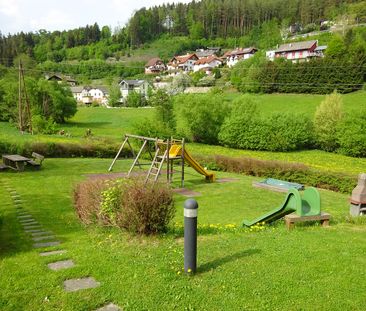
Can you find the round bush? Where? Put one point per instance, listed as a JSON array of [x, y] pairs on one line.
[[126, 203]]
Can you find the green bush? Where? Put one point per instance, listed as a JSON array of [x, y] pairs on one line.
[[352, 135], [126, 203], [135, 99], [202, 116], [89, 148], [41, 125], [293, 172], [246, 129], [327, 116], [163, 123]]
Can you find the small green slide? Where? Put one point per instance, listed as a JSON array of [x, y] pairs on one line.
[[308, 205]]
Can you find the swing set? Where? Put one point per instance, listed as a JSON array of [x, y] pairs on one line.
[[161, 152]]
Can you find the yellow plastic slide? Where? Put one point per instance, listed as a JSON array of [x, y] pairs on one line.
[[176, 150]]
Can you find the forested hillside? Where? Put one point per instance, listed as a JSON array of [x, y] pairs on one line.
[[229, 18]]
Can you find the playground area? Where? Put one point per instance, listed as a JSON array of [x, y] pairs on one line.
[[233, 262]]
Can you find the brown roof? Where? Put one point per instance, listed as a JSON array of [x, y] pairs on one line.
[[244, 51], [296, 46], [153, 62], [207, 60], [181, 59]]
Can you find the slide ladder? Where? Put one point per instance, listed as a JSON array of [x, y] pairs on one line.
[[156, 166]]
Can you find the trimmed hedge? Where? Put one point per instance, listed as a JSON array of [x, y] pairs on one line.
[[246, 128], [66, 150], [293, 172]]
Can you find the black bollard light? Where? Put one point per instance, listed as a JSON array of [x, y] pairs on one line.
[[190, 235]]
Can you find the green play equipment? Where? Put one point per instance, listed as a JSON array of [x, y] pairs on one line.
[[307, 205]]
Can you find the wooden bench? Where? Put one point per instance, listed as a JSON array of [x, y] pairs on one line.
[[3, 167], [291, 219], [37, 160]]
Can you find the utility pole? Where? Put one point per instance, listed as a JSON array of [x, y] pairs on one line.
[[20, 106], [22, 88]]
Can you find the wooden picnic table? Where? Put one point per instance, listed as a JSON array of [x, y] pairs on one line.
[[15, 161]]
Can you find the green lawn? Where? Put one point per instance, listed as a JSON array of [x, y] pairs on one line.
[[309, 268], [111, 124], [302, 103]]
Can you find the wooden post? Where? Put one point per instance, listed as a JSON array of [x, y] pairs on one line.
[[168, 161], [137, 158], [20, 108], [118, 153], [182, 181], [28, 109]]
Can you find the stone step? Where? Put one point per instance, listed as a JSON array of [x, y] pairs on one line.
[[51, 253], [60, 265], [74, 285]]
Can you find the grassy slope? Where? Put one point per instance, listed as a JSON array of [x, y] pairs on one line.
[[113, 123], [303, 103], [272, 269]]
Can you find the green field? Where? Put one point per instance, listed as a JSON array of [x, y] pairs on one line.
[[111, 124], [309, 268], [302, 103]]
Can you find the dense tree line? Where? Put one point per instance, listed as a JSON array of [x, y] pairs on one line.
[[226, 18], [210, 19], [81, 43], [93, 69]]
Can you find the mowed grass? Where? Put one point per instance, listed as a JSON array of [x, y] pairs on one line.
[[112, 124], [309, 268], [302, 103]]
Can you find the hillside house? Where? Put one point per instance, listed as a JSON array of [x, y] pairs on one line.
[[233, 57], [87, 95], [297, 51], [155, 66], [61, 78], [207, 63], [210, 51], [182, 63], [129, 86]]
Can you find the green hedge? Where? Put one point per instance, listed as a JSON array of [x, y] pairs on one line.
[[246, 129], [352, 135], [59, 150], [292, 172]]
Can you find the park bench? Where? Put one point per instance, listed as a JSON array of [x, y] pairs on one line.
[[3, 167], [36, 160]]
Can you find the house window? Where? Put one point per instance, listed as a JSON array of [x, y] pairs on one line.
[[293, 54], [300, 54]]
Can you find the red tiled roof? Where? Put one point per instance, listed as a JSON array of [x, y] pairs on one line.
[[207, 60], [181, 59]]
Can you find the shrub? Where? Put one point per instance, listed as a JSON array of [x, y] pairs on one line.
[[327, 116], [87, 200], [246, 129], [90, 148], [202, 116], [146, 208], [41, 125], [293, 172], [352, 135], [135, 99], [163, 123], [126, 203]]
